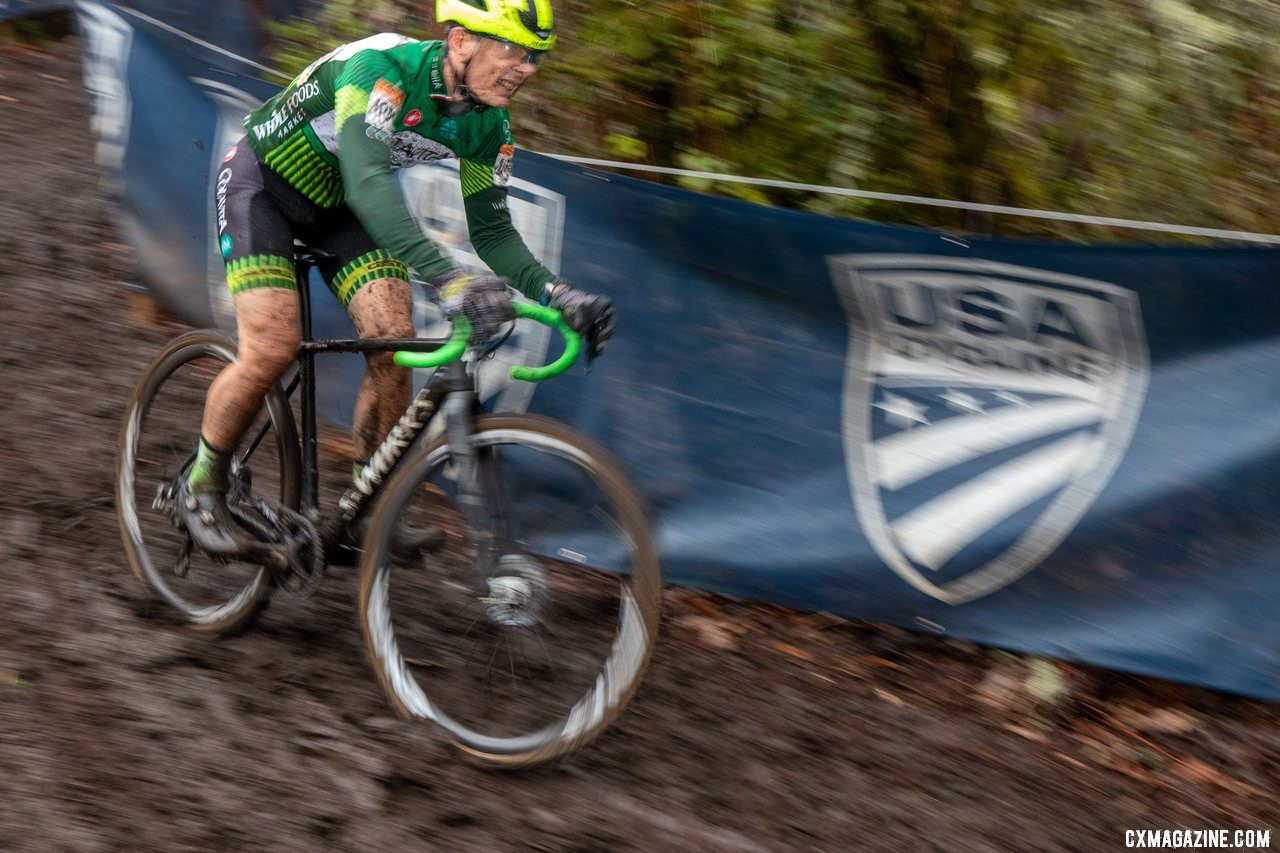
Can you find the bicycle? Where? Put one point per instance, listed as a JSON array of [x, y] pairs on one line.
[[541, 533]]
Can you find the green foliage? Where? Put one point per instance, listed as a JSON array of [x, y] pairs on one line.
[[1150, 109], [626, 147], [37, 31], [734, 86], [296, 43]]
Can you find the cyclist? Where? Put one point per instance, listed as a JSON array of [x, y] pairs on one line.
[[316, 164]]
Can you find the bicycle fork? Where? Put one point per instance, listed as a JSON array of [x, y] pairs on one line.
[[451, 393]]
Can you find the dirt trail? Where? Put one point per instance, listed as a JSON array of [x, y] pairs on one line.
[[757, 729]]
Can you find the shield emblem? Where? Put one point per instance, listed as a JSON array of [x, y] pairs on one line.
[[985, 407]]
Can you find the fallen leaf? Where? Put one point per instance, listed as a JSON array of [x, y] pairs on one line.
[[12, 679], [1168, 721], [1070, 759], [1135, 771], [793, 651], [1023, 731], [851, 671], [704, 605], [1194, 770], [1045, 682], [708, 632], [999, 688]]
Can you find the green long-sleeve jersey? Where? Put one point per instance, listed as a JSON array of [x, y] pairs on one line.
[[349, 119]]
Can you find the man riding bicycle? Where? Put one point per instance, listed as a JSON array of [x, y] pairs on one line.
[[316, 164]]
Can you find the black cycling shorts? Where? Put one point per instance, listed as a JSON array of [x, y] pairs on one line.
[[259, 215]]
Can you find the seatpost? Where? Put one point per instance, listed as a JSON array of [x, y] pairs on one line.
[[306, 372]]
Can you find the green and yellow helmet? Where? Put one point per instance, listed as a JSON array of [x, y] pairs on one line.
[[528, 23]]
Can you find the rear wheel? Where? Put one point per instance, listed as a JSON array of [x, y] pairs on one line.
[[157, 444], [528, 632]]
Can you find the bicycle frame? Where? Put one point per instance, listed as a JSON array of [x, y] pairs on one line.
[[452, 378]]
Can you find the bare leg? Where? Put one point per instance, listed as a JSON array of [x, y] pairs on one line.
[[382, 309], [267, 319], [268, 322]]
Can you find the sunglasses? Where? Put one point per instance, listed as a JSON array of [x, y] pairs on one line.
[[510, 51]]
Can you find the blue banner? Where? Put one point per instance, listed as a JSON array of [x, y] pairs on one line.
[[1064, 449], [1070, 450]]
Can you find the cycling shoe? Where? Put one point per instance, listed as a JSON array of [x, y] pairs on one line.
[[209, 521]]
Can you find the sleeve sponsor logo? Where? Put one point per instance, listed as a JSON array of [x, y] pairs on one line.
[[384, 105], [504, 166], [986, 406]]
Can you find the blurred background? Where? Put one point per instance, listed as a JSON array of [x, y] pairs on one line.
[[803, 693], [1165, 111]]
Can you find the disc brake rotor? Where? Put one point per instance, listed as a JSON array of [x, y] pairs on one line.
[[518, 591]]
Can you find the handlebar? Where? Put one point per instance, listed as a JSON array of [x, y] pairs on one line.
[[461, 337]]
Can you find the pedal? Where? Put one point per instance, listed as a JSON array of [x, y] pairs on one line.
[[166, 501]]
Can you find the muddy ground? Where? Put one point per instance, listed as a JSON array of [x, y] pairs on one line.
[[756, 729]]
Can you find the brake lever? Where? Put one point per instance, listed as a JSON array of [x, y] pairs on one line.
[[590, 352]]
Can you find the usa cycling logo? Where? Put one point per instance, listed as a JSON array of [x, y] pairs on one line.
[[985, 407]]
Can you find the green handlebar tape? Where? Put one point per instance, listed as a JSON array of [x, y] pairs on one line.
[[457, 345], [548, 316]]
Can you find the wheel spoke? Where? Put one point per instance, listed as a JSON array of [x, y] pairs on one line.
[[556, 623]]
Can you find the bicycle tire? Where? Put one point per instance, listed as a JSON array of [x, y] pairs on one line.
[[570, 588], [150, 458]]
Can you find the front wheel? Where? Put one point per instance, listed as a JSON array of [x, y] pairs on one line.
[[157, 444], [527, 633]]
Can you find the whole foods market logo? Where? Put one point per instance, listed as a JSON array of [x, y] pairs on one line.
[[985, 407]]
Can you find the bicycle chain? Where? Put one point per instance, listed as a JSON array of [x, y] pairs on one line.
[[296, 534], [301, 538]]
